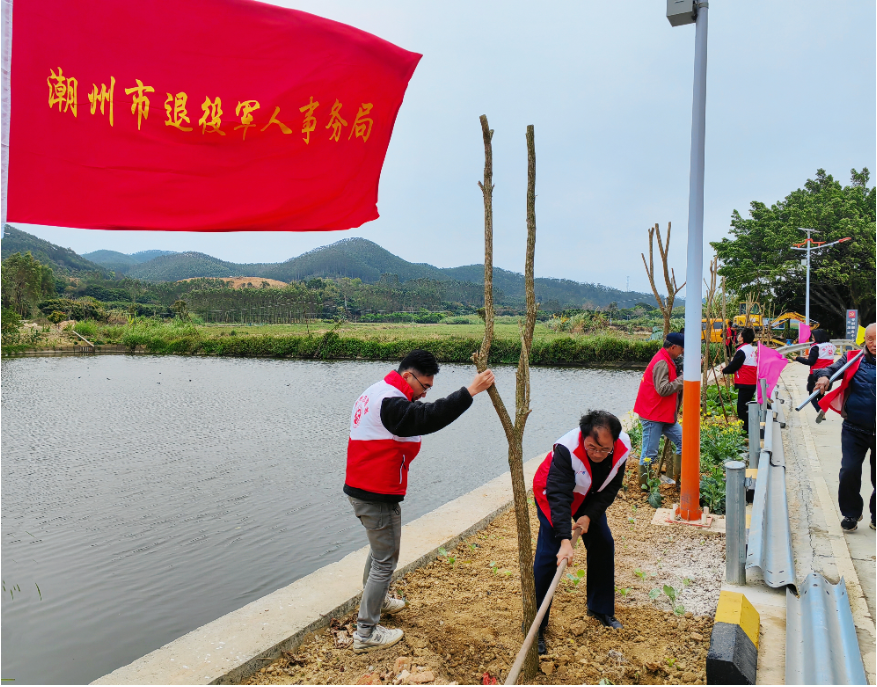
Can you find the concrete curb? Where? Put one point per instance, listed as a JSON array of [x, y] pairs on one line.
[[238, 644], [733, 654]]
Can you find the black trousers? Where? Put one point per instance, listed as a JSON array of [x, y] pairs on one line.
[[745, 393], [855, 442], [811, 383], [600, 577]]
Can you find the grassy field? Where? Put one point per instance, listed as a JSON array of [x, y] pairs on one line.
[[388, 332], [328, 341]]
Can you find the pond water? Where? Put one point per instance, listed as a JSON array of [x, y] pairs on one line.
[[143, 497]]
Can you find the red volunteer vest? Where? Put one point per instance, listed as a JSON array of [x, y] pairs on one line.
[[826, 356], [650, 405], [748, 373], [835, 399], [572, 440], [378, 460]]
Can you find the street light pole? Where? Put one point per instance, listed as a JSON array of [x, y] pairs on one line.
[[681, 12], [808, 246]]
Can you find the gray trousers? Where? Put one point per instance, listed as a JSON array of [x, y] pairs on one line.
[[383, 526]]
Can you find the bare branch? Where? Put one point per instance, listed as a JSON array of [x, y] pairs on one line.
[[480, 357]]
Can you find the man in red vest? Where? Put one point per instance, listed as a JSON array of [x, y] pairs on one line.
[[657, 403], [578, 480], [854, 399], [385, 428], [821, 355]]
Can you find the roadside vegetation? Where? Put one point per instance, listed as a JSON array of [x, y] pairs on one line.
[[721, 439], [327, 341]]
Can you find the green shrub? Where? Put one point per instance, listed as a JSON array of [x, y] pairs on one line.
[[81, 309], [10, 327], [86, 328]]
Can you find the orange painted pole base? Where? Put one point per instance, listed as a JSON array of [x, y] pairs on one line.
[[689, 500]]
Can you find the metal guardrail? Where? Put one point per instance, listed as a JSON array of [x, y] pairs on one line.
[[822, 647], [840, 344], [770, 538], [821, 643]]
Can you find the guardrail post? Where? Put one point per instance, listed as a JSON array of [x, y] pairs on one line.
[[754, 432], [735, 522]]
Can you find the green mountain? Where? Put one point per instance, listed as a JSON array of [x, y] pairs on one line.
[[177, 266], [121, 263], [146, 255], [62, 260], [352, 258]]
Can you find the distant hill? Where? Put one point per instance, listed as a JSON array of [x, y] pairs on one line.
[[122, 262], [62, 260], [146, 255], [363, 259], [179, 266], [352, 258], [109, 257]]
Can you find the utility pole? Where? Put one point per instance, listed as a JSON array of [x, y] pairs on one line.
[[681, 13], [810, 245]]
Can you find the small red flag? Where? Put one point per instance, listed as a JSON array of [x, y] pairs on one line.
[[197, 115]]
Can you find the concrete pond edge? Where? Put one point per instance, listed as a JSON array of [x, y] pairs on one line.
[[233, 647]]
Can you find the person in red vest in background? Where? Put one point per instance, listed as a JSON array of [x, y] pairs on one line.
[[821, 355], [730, 336], [744, 367], [578, 480], [657, 403], [854, 399], [385, 428]]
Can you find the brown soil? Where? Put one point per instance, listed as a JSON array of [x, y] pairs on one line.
[[241, 282], [464, 617]]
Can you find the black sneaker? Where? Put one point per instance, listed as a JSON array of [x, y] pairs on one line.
[[606, 619], [850, 524], [873, 527], [542, 649]]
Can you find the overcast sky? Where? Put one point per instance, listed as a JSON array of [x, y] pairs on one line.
[[790, 89]]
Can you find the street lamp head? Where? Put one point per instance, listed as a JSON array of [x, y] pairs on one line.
[[682, 12]]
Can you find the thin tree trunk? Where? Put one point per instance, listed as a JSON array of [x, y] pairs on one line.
[[514, 432], [724, 322]]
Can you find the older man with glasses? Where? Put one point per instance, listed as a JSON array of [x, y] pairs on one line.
[[578, 480], [385, 428]]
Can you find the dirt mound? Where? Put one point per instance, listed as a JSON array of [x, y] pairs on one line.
[[247, 282]]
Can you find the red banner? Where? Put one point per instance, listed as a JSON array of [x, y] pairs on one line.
[[197, 115]]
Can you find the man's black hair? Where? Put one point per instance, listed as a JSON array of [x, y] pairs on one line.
[[599, 419], [666, 344], [820, 336], [422, 362], [748, 335]]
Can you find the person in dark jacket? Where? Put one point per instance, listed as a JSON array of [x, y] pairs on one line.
[[385, 428], [821, 355], [854, 399], [744, 369], [579, 480]]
